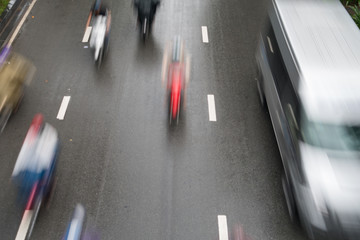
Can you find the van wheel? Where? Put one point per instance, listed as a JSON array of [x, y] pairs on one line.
[[18, 103], [100, 58], [4, 117], [289, 198], [260, 90]]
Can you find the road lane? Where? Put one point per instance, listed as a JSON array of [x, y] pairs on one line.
[[137, 178]]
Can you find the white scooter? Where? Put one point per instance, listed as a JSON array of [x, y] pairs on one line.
[[98, 40]]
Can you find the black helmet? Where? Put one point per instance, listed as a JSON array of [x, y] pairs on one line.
[[97, 5]]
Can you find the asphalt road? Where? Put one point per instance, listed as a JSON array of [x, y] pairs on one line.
[[137, 178]]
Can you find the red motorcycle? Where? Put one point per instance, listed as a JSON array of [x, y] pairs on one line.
[[177, 77], [175, 91]]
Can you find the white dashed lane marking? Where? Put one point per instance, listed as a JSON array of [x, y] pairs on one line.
[[205, 36], [87, 35], [223, 229], [212, 111], [24, 225], [63, 107]]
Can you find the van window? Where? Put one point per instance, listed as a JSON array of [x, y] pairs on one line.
[[290, 104], [330, 136], [276, 62]]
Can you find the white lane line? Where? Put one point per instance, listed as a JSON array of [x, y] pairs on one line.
[[63, 107], [21, 23], [223, 229], [212, 111], [24, 225], [205, 37], [87, 34]]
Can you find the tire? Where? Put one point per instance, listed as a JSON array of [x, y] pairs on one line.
[[18, 103], [170, 109], [34, 217], [289, 198], [106, 45], [4, 117], [178, 110], [99, 61], [145, 29], [50, 190], [259, 80]]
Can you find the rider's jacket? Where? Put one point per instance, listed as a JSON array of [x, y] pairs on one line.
[[146, 8]]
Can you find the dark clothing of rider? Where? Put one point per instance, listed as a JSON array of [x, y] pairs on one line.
[[146, 8], [100, 11]]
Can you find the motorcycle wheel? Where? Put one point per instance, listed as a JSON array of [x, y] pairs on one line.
[[34, 217], [100, 58], [145, 29], [178, 110], [170, 109], [19, 102], [4, 117]]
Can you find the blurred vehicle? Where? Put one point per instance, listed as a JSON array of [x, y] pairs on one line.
[[15, 73], [239, 233], [146, 13], [309, 67], [34, 171], [76, 229], [176, 67], [100, 20]]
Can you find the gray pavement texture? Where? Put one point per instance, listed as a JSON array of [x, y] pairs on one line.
[[137, 178], [10, 17]]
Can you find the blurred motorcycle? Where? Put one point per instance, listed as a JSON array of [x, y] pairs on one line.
[[75, 229], [146, 10], [175, 91], [176, 71], [99, 39], [239, 233], [145, 27], [15, 73], [34, 171]]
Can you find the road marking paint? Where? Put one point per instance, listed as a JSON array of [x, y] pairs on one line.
[[269, 41], [21, 23], [87, 34], [205, 37], [223, 229], [24, 225], [212, 111], [63, 107]]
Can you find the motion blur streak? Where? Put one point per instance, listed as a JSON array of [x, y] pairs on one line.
[[15, 73], [75, 230], [309, 60], [239, 233]]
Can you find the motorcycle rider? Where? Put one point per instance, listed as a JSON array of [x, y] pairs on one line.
[[100, 9], [175, 52], [146, 8], [37, 155], [175, 76], [100, 19]]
